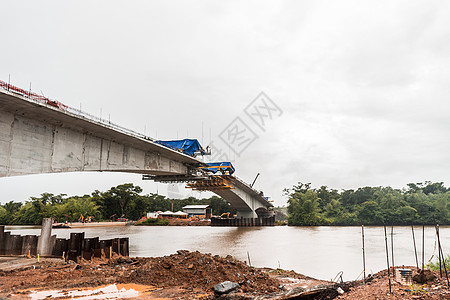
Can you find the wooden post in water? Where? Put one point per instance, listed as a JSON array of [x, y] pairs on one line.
[[436, 227], [387, 259], [439, 251], [423, 247], [443, 260], [364, 255], [415, 249], [442, 255], [392, 250]]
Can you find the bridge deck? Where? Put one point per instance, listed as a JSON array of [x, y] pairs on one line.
[[81, 122]]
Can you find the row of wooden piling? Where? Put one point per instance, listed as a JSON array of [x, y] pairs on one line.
[[71, 249], [243, 222]]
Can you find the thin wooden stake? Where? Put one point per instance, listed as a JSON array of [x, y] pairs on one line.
[[415, 249], [387, 259], [439, 251], [392, 250], [436, 226], [423, 247], [442, 255], [364, 255], [249, 263]]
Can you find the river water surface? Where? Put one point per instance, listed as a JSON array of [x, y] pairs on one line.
[[319, 252]]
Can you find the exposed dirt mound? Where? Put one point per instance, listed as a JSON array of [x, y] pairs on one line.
[[194, 269], [194, 272]]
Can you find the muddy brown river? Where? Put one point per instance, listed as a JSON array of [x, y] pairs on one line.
[[321, 252]]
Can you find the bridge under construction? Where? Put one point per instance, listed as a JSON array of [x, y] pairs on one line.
[[40, 135]]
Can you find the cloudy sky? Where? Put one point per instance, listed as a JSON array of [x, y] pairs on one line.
[[363, 86]]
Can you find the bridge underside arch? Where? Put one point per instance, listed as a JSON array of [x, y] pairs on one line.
[[243, 208]]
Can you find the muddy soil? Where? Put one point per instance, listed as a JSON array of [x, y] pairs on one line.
[[433, 287], [186, 275], [192, 275]]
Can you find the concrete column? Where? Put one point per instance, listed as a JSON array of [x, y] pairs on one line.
[[44, 246], [246, 214]]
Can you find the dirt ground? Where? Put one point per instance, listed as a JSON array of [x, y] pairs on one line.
[[192, 275], [432, 287], [184, 275]]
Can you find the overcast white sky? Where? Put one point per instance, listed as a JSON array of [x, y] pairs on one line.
[[363, 85]]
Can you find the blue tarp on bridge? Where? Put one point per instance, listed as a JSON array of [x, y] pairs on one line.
[[188, 146], [220, 166]]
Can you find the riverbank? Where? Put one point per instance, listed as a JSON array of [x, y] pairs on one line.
[[172, 222], [95, 224], [184, 275], [187, 275]]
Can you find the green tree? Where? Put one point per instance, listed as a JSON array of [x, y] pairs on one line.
[[406, 215], [326, 195], [29, 214], [441, 203], [389, 201], [114, 202], [3, 216], [369, 213], [73, 208], [11, 209], [303, 208], [333, 212], [350, 199], [157, 202], [48, 198], [422, 204], [220, 206]]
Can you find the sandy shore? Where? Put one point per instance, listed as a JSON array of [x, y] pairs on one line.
[[96, 224]]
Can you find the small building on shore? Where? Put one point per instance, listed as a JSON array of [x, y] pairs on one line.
[[200, 211], [154, 214], [167, 214]]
